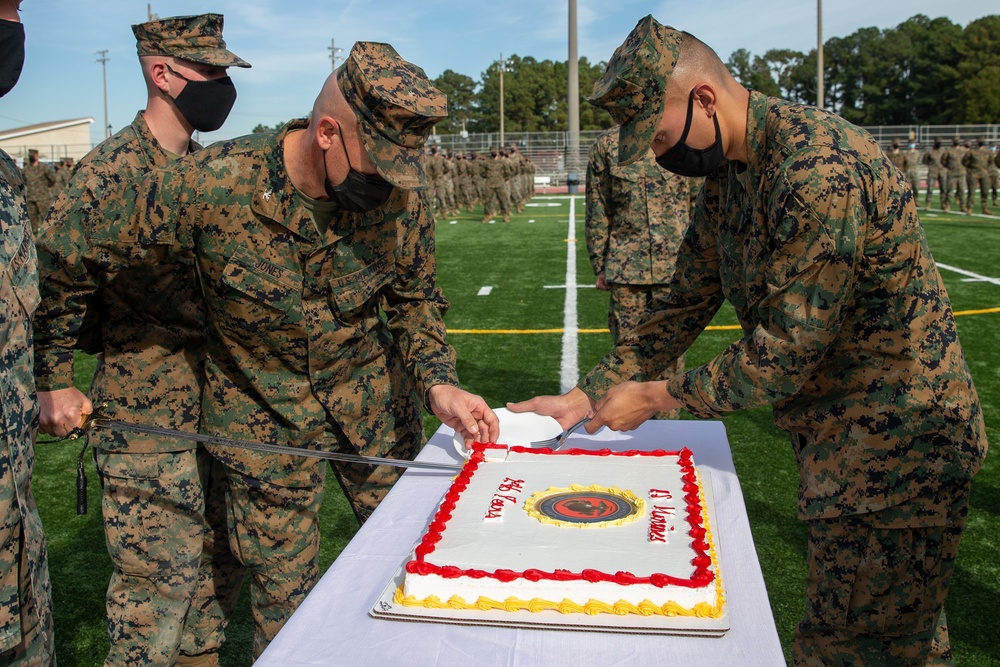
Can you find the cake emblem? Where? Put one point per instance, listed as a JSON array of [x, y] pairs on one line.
[[585, 506]]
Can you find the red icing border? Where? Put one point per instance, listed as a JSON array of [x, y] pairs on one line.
[[702, 561]]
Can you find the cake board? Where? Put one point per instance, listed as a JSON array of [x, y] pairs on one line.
[[386, 608]]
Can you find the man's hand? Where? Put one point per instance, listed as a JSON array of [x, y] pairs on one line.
[[62, 410], [629, 404], [602, 282], [567, 409], [467, 413]]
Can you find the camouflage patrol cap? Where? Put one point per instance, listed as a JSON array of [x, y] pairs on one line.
[[33, 151], [396, 106], [634, 85], [195, 38]]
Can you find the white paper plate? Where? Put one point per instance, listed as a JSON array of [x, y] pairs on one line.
[[517, 428]]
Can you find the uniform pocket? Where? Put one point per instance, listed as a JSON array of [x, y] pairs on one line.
[[259, 287]]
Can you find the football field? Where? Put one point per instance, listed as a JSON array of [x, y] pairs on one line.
[[525, 319]]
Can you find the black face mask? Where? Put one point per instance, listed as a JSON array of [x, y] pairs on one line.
[[11, 54], [205, 104], [359, 193], [687, 161]]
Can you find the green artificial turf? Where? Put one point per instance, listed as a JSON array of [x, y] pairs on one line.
[[517, 260]]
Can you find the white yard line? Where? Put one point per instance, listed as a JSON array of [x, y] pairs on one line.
[[970, 274], [569, 373], [485, 291]]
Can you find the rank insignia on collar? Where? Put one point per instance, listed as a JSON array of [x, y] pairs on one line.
[[267, 195]]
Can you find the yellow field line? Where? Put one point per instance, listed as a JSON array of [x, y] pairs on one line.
[[726, 327]]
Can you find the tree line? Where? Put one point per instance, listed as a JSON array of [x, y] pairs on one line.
[[922, 72]]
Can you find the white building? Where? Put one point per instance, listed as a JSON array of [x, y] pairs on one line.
[[53, 140]]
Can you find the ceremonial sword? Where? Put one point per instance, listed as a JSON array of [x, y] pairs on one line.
[[97, 420]]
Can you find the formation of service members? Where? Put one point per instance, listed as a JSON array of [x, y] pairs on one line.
[[324, 325], [26, 630], [636, 218], [842, 312], [174, 581], [502, 181]]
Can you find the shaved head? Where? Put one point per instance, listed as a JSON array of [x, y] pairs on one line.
[[698, 62], [330, 103]]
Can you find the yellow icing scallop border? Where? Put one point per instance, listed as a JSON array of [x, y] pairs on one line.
[[531, 504]]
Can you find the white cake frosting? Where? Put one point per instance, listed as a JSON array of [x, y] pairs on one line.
[[503, 540]]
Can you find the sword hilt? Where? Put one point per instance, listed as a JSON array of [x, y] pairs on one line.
[[88, 422]]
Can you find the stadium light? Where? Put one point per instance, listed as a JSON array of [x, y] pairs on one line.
[[820, 82]]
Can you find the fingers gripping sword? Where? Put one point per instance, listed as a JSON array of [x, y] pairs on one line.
[[97, 420]]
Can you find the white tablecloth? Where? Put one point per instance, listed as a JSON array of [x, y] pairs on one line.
[[332, 627]]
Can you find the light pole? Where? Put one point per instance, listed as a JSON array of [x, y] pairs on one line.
[[103, 59], [502, 65], [573, 106], [820, 82], [333, 54]]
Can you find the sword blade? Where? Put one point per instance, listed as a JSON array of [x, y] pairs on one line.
[[116, 424]]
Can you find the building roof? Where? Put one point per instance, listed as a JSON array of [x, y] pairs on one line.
[[38, 128]]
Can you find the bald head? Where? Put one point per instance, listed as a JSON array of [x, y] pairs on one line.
[[697, 62], [330, 103]]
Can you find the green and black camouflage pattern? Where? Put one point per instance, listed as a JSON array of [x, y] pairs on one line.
[[314, 339], [194, 38], [396, 106], [633, 87], [847, 328], [25, 588], [637, 215], [149, 321], [296, 340], [148, 325], [636, 218], [977, 161], [39, 179]]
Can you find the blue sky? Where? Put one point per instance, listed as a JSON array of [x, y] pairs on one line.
[[290, 53]]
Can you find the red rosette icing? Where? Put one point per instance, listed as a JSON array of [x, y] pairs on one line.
[[507, 576]]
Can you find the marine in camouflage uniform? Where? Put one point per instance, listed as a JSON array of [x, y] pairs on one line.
[[39, 179], [636, 218], [936, 173], [995, 172], [63, 175], [952, 161], [175, 581], [848, 333], [912, 171], [896, 156], [493, 173], [26, 630], [325, 323], [464, 188], [977, 162]]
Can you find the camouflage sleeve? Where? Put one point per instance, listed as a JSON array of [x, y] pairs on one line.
[[66, 279], [415, 306], [810, 266], [671, 324], [91, 233], [598, 190]]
